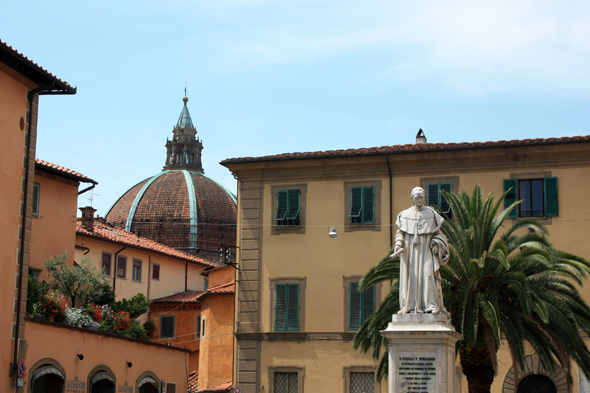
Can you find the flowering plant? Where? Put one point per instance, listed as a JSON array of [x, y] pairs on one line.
[[94, 312], [150, 328], [78, 317], [105, 311], [54, 305], [122, 320]]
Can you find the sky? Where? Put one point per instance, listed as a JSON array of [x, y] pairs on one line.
[[270, 77]]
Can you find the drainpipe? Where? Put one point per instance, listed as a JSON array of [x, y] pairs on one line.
[[186, 277], [116, 268], [390, 203], [149, 276], [87, 189]]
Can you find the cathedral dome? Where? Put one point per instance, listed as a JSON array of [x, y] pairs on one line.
[[180, 206]]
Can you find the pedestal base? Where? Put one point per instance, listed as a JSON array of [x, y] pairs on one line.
[[421, 353]]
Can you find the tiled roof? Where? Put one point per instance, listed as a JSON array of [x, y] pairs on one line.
[[193, 382], [32, 71], [62, 171], [196, 296], [120, 236], [410, 148], [161, 208]]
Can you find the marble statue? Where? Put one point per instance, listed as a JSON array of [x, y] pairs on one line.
[[422, 249]]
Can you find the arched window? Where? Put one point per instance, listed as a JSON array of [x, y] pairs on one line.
[[47, 376], [101, 380], [536, 383], [535, 379], [147, 382]]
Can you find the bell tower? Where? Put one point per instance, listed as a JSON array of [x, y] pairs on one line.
[[184, 150]]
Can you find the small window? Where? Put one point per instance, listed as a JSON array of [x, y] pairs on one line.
[[105, 266], [362, 382], [288, 208], [539, 197], [136, 275], [434, 196], [361, 304], [286, 382], [170, 387], [362, 205], [286, 308], [121, 266], [198, 326], [155, 271], [203, 328], [205, 283], [36, 189], [167, 326], [34, 273]]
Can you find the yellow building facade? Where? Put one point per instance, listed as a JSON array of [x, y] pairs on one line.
[[296, 307]]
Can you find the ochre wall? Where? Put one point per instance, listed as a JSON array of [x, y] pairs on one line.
[[186, 323], [47, 341], [222, 275], [54, 229], [13, 107], [216, 353]]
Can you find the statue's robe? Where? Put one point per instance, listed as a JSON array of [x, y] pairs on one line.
[[420, 282]]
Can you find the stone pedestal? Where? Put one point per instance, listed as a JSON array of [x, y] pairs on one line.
[[421, 353]]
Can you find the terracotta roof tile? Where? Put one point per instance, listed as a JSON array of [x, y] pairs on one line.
[[196, 296], [120, 236], [31, 70], [193, 382], [409, 148], [46, 165]]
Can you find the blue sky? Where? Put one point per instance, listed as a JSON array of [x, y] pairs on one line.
[[269, 77]]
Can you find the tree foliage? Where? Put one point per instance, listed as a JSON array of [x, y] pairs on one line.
[[80, 282], [135, 306], [500, 289]]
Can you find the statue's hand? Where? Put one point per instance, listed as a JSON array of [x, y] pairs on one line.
[[434, 249]]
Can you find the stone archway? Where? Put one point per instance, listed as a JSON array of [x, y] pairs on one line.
[[535, 374], [47, 375]]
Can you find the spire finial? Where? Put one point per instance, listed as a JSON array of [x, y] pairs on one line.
[[185, 98]]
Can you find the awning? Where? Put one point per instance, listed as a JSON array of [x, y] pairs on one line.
[[101, 375], [47, 369], [149, 380]]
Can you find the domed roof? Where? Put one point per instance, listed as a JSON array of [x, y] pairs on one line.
[[180, 206]]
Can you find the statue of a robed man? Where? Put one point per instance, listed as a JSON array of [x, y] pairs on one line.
[[422, 249]]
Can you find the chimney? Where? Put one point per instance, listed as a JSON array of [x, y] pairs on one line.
[[88, 218], [420, 137]]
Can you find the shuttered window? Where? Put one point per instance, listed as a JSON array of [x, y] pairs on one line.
[[167, 326], [361, 304], [198, 326], [36, 189], [288, 207], [287, 308], [538, 196], [434, 196], [362, 205]]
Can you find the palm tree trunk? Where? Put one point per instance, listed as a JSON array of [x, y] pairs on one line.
[[477, 367]]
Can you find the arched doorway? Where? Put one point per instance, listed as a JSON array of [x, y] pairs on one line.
[[536, 383], [47, 379], [102, 382], [147, 384]]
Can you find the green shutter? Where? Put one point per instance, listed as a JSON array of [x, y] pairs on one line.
[[293, 307], [35, 199], [551, 205], [444, 205], [280, 307], [282, 205], [356, 200], [511, 197], [294, 204], [368, 205], [432, 189], [368, 303], [354, 307]]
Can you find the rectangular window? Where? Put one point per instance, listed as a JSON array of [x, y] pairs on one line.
[[288, 208], [121, 267], [203, 328], [136, 275], [362, 382], [286, 382], [362, 205], [205, 283], [538, 196], [155, 271], [434, 196], [286, 308], [105, 266], [167, 326], [170, 387], [362, 305], [36, 189], [198, 327]]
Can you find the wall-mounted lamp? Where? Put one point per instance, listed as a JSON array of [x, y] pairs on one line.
[[333, 233], [80, 356], [129, 364]]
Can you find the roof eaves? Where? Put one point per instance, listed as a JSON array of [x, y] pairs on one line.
[[63, 173]]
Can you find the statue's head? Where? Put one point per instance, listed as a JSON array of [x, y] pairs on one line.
[[418, 196]]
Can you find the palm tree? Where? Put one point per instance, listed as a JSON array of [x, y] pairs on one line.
[[504, 289]]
